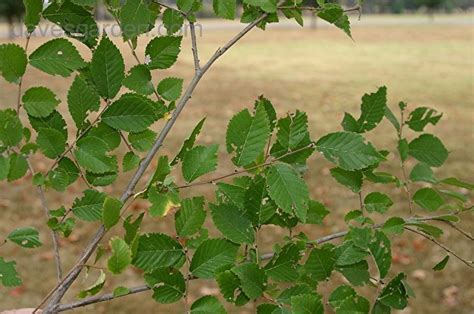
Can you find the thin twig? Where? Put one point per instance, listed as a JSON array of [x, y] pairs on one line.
[[237, 172], [441, 245], [70, 147], [197, 66], [402, 165], [130, 149], [463, 232], [322, 240], [81, 173], [54, 236], [20, 84], [315, 9], [62, 288]]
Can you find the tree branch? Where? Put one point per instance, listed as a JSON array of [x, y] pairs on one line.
[[62, 288], [322, 240], [237, 172], [441, 245]]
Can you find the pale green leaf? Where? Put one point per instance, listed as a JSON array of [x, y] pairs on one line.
[[51, 142], [135, 18], [8, 274], [139, 80], [10, 128], [225, 8], [428, 199], [253, 279], [320, 263], [344, 300], [380, 248], [173, 21], [33, 9], [376, 201], [168, 285], [89, 207], [163, 51], [82, 99], [190, 217], [207, 305], [111, 212]]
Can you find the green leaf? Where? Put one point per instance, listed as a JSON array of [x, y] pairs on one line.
[[456, 182], [10, 128], [403, 149], [288, 190], [421, 117], [131, 228], [344, 299], [4, 167], [334, 14], [130, 161], [207, 305], [111, 212], [224, 8], [190, 217], [357, 274], [39, 102], [89, 207], [170, 88], [173, 21], [247, 135], [199, 161], [393, 225], [135, 18], [395, 294], [51, 142], [33, 9], [380, 248], [163, 51], [142, 141], [94, 288], [233, 225], [316, 213], [284, 264], [286, 295], [13, 61], [348, 254], [163, 169], [428, 199], [57, 57], [189, 142], [442, 264], [426, 228], [348, 150], [372, 112], [26, 237], [107, 68], [211, 255], [91, 155], [378, 202], [429, 149], [269, 6], [229, 285], [76, 21], [8, 274], [130, 113], [360, 236], [422, 173], [139, 80], [306, 304], [320, 263], [120, 291], [157, 250], [392, 119], [82, 99], [54, 121], [168, 285], [350, 179], [121, 256], [17, 168], [292, 138], [253, 279]]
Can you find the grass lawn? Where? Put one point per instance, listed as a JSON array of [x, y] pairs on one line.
[[323, 73]]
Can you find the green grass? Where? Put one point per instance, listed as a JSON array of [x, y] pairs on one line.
[[322, 72]]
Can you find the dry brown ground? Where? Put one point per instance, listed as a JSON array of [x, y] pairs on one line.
[[323, 73]]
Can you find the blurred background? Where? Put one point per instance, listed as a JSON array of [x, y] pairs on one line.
[[422, 50]]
